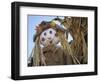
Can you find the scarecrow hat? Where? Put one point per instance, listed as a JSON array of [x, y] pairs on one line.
[[46, 25]]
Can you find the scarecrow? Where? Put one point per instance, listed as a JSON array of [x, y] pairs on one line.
[[52, 46]]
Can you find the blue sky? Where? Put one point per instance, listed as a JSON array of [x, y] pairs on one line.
[[33, 21]]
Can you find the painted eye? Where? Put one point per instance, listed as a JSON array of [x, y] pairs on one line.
[[43, 39], [45, 33], [50, 32]]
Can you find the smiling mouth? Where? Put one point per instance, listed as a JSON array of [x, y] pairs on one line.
[[50, 42]]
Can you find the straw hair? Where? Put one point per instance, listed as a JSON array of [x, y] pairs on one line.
[[36, 56]]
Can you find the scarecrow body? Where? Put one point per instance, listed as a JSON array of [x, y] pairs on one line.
[[55, 56]]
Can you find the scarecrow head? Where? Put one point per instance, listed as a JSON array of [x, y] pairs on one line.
[[48, 33], [49, 37]]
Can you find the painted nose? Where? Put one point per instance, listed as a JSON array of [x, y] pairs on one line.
[[49, 38]]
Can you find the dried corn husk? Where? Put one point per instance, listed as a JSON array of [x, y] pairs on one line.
[[66, 47]]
